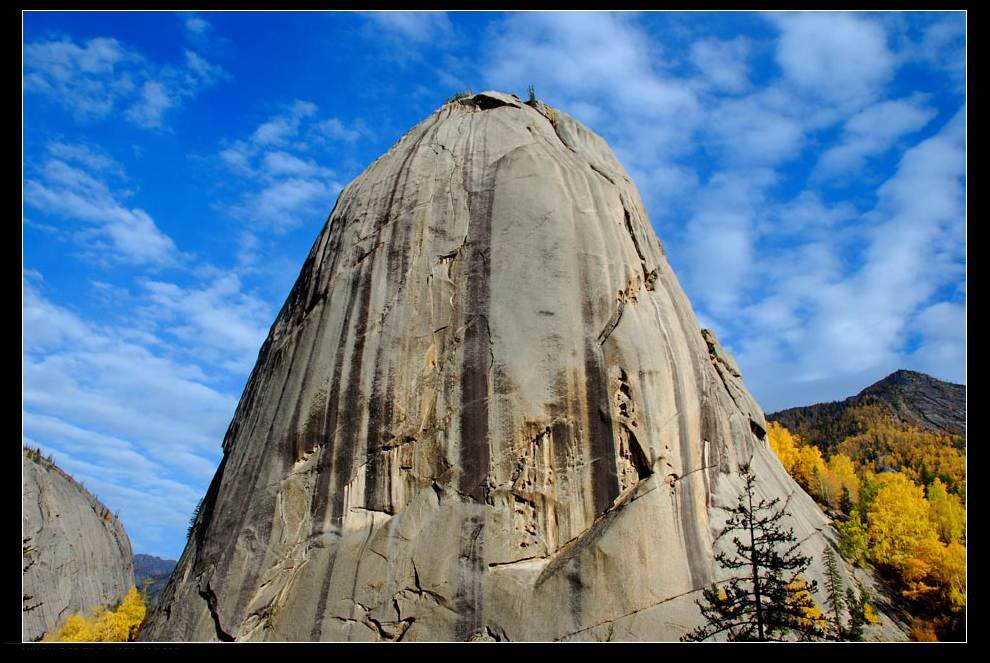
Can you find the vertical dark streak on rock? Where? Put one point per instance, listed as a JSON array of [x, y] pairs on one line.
[[321, 499], [380, 409], [575, 594], [298, 443], [604, 478], [476, 362], [344, 445], [471, 563], [321, 602], [208, 553], [691, 521]]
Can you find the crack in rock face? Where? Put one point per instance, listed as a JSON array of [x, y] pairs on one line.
[[460, 424]]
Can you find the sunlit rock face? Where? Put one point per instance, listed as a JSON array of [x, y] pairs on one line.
[[485, 411], [74, 551]]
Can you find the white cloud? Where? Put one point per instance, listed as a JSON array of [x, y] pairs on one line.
[[334, 129], [417, 26], [942, 351], [196, 24], [110, 231], [283, 163], [218, 322], [287, 185], [206, 73], [840, 58], [92, 157], [87, 79], [278, 129], [870, 133], [94, 379], [723, 63], [828, 323], [150, 106], [95, 80], [282, 203], [749, 131]]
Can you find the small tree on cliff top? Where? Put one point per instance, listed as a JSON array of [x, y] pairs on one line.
[[767, 599]]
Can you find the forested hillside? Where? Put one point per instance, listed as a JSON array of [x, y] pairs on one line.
[[889, 466]]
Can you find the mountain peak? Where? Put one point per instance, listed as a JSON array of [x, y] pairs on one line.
[[909, 397]]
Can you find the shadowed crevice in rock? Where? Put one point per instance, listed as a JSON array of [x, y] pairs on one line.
[[211, 602]]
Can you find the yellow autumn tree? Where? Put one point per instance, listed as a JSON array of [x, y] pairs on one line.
[[783, 444], [840, 478], [103, 625], [803, 462], [898, 521], [947, 512]]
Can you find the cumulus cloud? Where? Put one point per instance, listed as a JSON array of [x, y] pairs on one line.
[[287, 184], [108, 231], [834, 323], [416, 26], [102, 76], [871, 133], [723, 62], [840, 58], [217, 321]]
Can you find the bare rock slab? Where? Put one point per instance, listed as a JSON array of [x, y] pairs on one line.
[[485, 411]]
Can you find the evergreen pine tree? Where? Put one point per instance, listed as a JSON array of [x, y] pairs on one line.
[[858, 605], [834, 594], [767, 599], [193, 518]]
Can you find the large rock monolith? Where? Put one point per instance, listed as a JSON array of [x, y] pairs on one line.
[[485, 411]]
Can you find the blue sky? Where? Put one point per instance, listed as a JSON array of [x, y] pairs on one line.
[[806, 173]]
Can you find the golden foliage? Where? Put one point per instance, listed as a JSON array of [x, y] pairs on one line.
[[840, 476], [947, 512], [920, 454], [803, 462], [870, 614], [800, 596], [898, 520], [876, 477], [103, 625]]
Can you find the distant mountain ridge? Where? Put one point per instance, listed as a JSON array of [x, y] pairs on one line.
[[909, 397], [153, 569]]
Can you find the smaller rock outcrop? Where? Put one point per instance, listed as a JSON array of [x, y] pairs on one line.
[[75, 553]]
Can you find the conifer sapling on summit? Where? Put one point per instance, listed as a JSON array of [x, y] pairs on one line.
[[767, 599]]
